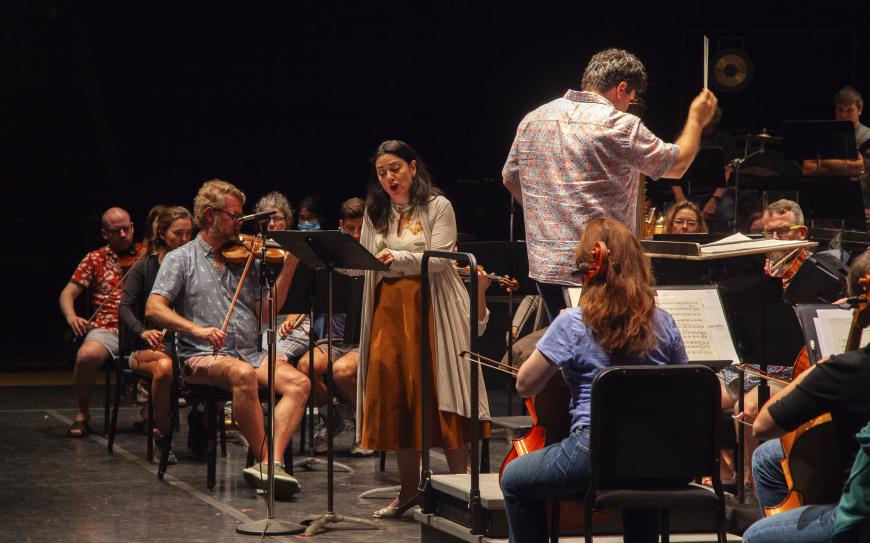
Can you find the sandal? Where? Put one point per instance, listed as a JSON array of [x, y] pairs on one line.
[[79, 428], [395, 509]]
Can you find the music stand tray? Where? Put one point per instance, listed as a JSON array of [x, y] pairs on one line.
[[329, 250]]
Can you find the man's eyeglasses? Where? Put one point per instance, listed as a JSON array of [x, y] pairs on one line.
[[780, 232], [120, 229], [687, 222], [234, 216]]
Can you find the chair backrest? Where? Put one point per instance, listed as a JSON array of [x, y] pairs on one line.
[[654, 426]]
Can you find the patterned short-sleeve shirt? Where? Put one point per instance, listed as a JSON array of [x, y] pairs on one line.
[[201, 292], [576, 159], [100, 274]]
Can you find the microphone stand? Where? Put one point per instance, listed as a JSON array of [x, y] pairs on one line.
[[269, 525], [736, 164]]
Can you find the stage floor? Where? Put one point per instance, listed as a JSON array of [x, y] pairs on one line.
[[60, 489]]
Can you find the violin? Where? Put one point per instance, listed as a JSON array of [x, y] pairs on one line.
[[236, 252], [810, 464], [786, 267], [504, 281]]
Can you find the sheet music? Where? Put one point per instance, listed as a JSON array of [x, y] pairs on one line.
[[832, 329], [772, 244], [699, 316]]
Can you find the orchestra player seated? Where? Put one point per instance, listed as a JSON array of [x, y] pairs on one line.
[[100, 274], [848, 105], [685, 218], [838, 386], [617, 323], [199, 283]]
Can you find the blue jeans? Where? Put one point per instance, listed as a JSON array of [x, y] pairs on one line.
[[806, 524], [562, 469], [553, 297]]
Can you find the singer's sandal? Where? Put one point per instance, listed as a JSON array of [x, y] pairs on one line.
[[79, 428]]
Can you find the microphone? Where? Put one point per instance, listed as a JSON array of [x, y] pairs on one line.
[[262, 216]]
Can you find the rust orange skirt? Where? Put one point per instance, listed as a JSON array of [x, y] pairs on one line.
[[393, 405]]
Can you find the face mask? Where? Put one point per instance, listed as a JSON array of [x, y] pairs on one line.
[[308, 225]]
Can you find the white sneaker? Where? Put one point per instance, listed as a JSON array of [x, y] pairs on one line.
[[285, 484]]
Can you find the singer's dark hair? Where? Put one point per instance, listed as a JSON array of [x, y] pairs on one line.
[[422, 189]]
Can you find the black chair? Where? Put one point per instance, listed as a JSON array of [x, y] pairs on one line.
[[654, 429]]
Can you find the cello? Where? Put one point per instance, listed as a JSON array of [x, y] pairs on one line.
[[551, 419]]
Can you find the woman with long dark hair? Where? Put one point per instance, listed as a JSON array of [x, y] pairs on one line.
[[173, 229], [405, 216], [617, 323]]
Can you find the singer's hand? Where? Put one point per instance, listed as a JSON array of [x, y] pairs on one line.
[[386, 256], [215, 336]]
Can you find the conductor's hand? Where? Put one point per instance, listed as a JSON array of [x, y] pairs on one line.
[[215, 336], [78, 324], [385, 256], [153, 338], [703, 107]]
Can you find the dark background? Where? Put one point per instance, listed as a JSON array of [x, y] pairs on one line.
[[136, 103]]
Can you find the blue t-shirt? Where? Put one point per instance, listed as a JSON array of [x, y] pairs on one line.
[[569, 345], [201, 292]]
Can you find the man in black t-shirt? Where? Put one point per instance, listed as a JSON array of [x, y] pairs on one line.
[[839, 385]]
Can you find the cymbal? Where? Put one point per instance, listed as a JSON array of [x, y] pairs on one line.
[[761, 137]]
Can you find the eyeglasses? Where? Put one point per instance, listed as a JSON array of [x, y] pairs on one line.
[[119, 229], [234, 216], [687, 222], [780, 232]]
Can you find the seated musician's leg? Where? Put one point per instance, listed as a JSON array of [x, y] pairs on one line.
[[96, 349], [770, 485], [318, 387], [344, 372], [159, 366], [559, 469], [808, 524], [240, 378], [293, 387]]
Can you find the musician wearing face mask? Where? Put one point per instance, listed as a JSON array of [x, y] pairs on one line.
[[310, 213], [199, 283], [838, 386]]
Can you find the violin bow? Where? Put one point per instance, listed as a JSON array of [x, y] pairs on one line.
[[478, 358]]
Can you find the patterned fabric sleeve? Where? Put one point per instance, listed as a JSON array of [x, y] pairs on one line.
[[511, 171], [647, 153], [85, 272]]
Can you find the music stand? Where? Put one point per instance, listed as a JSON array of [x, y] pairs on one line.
[[328, 250], [269, 525], [819, 140]]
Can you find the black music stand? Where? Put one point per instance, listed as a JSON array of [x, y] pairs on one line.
[[270, 525], [819, 140], [328, 250]]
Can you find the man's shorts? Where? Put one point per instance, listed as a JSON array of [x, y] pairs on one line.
[[199, 370], [106, 338]]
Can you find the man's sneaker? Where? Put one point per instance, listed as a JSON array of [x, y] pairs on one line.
[[285, 484], [159, 443], [358, 451]]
